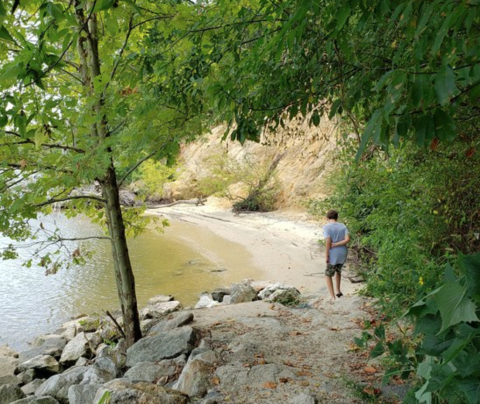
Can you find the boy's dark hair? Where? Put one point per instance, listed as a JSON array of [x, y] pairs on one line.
[[332, 214]]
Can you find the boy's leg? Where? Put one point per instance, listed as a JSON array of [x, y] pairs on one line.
[[338, 280], [329, 281], [329, 274]]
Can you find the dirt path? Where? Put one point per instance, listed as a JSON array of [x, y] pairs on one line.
[[271, 353]]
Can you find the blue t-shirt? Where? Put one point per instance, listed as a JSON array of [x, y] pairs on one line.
[[337, 232]]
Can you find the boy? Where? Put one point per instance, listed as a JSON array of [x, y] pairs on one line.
[[336, 238]]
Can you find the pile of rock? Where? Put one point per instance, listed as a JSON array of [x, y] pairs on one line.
[[86, 360], [247, 291]]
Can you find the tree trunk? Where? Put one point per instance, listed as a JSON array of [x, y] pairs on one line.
[[90, 69], [121, 259]]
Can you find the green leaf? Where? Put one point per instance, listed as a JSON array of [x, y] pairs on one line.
[[445, 84], [103, 5], [454, 305], [424, 129], [378, 350], [5, 35], [372, 124], [334, 108], [471, 389], [445, 128], [471, 266], [342, 16]]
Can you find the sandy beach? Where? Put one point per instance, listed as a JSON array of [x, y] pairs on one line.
[[282, 246]]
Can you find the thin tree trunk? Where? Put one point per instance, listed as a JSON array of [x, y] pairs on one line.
[[90, 68], [121, 259]]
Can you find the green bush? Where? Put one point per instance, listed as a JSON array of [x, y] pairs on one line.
[[409, 212], [257, 179], [152, 176]]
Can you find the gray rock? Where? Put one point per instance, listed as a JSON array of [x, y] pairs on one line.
[[42, 364], [81, 362], [178, 320], [164, 345], [32, 387], [57, 386], [302, 398], [205, 301], [10, 393], [126, 392], [37, 400], [148, 372], [71, 329], [117, 354], [27, 376], [195, 377], [160, 299], [269, 290], [52, 344], [159, 309], [241, 293], [8, 365], [53, 387], [235, 376], [82, 394], [10, 379], [284, 296], [102, 371], [218, 294], [227, 299], [82, 345]]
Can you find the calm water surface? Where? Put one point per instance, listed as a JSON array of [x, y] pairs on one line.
[[32, 304]]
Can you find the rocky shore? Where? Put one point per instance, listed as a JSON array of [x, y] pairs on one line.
[[253, 342]]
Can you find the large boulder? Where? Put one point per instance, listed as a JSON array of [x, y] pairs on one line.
[[52, 344], [206, 301], [126, 392], [10, 393], [178, 320], [271, 289], [10, 379], [57, 386], [117, 354], [82, 394], [159, 309], [165, 345], [82, 345], [242, 293], [146, 372], [71, 329], [30, 388], [41, 364], [102, 371], [195, 377], [284, 296], [37, 400], [219, 294], [8, 365]]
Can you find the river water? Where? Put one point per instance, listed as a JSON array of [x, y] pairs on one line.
[[33, 304]]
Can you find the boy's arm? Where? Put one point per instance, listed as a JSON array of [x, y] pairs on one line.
[[328, 245], [345, 241]]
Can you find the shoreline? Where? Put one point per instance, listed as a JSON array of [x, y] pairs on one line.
[[283, 244]]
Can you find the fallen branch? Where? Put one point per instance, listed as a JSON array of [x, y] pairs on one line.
[[119, 328], [197, 202]]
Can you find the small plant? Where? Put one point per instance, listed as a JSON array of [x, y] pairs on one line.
[[258, 181]]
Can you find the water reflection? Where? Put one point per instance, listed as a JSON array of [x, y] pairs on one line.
[[32, 303]]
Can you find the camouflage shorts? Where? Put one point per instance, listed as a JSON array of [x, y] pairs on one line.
[[331, 269]]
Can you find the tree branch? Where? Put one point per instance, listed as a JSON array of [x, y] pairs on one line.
[[135, 167], [52, 201], [48, 145]]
